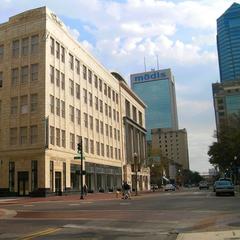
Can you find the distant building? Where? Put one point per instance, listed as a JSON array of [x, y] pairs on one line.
[[171, 145], [228, 44], [226, 94], [157, 90]]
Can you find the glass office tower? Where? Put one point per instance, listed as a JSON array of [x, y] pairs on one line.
[[157, 90], [228, 44]]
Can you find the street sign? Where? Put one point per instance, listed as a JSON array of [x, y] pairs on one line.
[[77, 157]]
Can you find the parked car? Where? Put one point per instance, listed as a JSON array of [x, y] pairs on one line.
[[224, 186], [221, 179], [170, 187], [154, 186], [203, 185]]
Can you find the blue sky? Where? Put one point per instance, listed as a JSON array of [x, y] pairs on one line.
[[182, 33]]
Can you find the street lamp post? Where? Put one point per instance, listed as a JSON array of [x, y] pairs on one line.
[[80, 151], [136, 170]]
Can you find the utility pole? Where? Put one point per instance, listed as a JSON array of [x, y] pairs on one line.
[[80, 151]]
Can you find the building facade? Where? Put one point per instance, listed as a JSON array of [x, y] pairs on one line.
[[157, 90], [52, 94], [228, 44], [171, 145]]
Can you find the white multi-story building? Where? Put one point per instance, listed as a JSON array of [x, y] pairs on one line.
[[52, 93]]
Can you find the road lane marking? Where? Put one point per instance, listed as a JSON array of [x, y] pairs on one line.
[[40, 233], [74, 204], [101, 228], [127, 203], [29, 205]]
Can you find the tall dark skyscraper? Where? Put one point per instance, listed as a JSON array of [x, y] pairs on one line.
[[228, 43], [226, 94]]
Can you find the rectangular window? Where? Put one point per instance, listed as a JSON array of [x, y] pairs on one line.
[[58, 137], [109, 92], [11, 176], [90, 99], [95, 81], [101, 106], [111, 151], [15, 76], [116, 98], [86, 145], [13, 136], [110, 131], [71, 112], [113, 95], [24, 74], [77, 66], [98, 148], [127, 108], [52, 135], [106, 128], [106, 110], [140, 118], [71, 61], [91, 147], [102, 149], [107, 150], [115, 153], [90, 76], [63, 108], [77, 91], [34, 175], [14, 105], [25, 46], [34, 72], [134, 113], [63, 138], [1, 79], [85, 120], [100, 85], [58, 106], [57, 78], [85, 95], [57, 50], [96, 103], [52, 74], [101, 127], [51, 103], [15, 48], [24, 104], [34, 44], [118, 135], [34, 102], [52, 48], [110, 111], [1, 51], [84, 72], [97, 125], [115, 133], [23, 135], [114, 114], [119, 154], [78, 116], [91, 122], [117, 116], [105, 89], [72, 141], [71, 87], [63, 81], [63, 54], [34, 134]]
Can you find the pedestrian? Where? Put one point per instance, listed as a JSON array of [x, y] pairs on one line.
[[85, 189]]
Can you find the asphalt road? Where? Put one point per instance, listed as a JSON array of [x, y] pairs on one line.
[[153, 216]]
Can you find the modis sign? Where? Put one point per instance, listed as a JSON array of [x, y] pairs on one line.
[[149, 76]]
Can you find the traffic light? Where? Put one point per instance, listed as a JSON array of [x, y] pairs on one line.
[[79, 147]]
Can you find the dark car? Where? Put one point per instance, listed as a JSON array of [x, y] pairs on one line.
[[203, 184], [223, 187]]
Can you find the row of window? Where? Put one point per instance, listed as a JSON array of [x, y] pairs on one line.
[[58, 138], [109, 112], [134, 113], [22, 75], [23, 135], [59, 51], [22, 46]]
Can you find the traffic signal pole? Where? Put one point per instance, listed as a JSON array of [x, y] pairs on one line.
[[80, 151]]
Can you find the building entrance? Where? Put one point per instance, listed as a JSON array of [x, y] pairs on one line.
[[23, 184], [58, 183]]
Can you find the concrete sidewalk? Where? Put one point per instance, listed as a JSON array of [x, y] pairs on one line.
[[220, 235]]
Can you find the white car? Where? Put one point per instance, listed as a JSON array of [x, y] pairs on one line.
[[169, 187]]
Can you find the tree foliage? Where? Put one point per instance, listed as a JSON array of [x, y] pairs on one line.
[[191, 177], [226, 150]]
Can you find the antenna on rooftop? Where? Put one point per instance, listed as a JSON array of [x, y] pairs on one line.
[[144, 64], [157, 62]]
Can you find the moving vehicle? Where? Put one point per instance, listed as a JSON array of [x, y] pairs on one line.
[[203, 184], [224, 186], [221, 179], [170, 187]]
